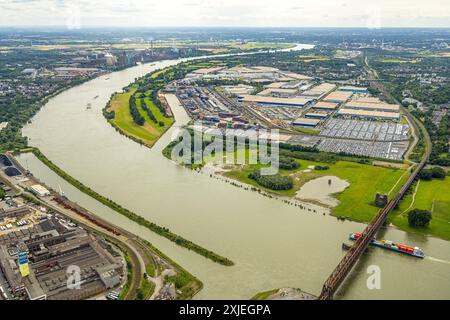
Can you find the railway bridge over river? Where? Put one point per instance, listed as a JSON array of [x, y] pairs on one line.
[[347, 263]]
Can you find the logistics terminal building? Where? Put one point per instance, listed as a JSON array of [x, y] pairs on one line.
[[275, 101], [368, 114]]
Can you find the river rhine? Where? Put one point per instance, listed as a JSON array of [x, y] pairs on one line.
[[273, 244]]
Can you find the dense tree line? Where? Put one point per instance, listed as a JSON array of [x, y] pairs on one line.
[[148, 111], [287, 163], [293, 147], [157, 103], [273, 182], [17, 110], [162, 231], [429, 174], [439, 136], [134, 111]]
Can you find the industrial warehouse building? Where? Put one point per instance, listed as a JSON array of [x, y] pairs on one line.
[[274, 85], [273, 101], [383, 107], [368, 100], [338, 96], [47, 250], [39, 190], [368, 114], [278, 92], [325, 106], [353, 89], [320, 90], [305, 122], [316, 115]]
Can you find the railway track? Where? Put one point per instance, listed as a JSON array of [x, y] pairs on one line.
[[345, 266]]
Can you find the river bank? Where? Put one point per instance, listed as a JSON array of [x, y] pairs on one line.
[[140, 255], [268, 240], [162, 231]]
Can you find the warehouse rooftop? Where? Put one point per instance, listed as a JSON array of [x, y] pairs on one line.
[[276, 101], [368, 113], [372, 106]]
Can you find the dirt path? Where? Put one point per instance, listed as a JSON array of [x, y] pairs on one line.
[[398, 181], [413, 198]]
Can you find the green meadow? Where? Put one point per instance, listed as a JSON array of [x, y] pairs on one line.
[[148, 133], [356, 202], [431, 195]]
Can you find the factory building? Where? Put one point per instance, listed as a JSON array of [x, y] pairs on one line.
[[239, 90], [39, 190], [304, 122], [369, 114], [367, 100], [204, 71], [274, 85], [338, 96], [382, 107], [320, 90], [316, 115], [278, 92], [294, 84], [35, 261], [13, 212], [353, 89], [329, 106], [296, 76], [274, 101]]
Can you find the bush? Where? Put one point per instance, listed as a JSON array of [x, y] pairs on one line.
[[180, 280], [287, 163], [438, 173], [426, 175], [418, 218], [273, 182], [320, 168]]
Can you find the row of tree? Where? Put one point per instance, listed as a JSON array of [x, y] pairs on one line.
[[288, 163], [429, 174], [273, 182], [148, 111], [134, 111]]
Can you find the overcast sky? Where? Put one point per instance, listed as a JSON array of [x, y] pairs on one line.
[[258, 13]]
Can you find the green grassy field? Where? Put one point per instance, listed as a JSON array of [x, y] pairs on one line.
[[356, 202], [148, 133], [433, 196], [400, 61], [310, 131]]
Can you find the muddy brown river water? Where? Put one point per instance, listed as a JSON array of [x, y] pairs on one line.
[[273, 244]]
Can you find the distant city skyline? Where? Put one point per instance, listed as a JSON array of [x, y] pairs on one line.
[[220, 13]]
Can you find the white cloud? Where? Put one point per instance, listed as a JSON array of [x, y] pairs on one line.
[[283, 13]]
